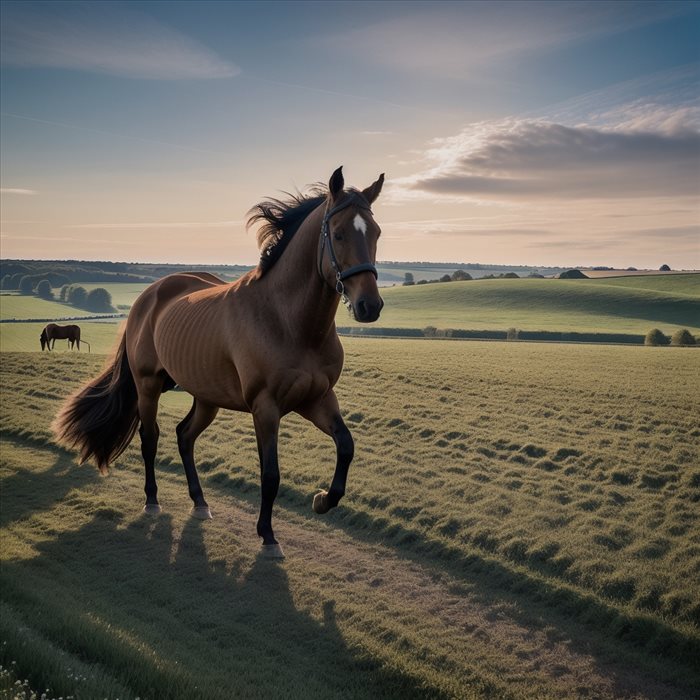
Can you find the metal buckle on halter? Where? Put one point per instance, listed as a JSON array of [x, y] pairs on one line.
[[339, 286]]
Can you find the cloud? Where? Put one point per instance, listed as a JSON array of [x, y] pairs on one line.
[[450, 39], [17, 190], [159, 225], [514, 160], [104, 37]]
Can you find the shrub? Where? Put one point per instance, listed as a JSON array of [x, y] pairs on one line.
[[63, 294], [77, 295], [445, 278], [572, 275], [99, 300], [14, 284], [6, 282], [512, 334], [682, 337], [422, 282], [43, 290], [511, 276], [664, 268], [408, 279], [26, 285], [459, 275], [429, 331], [655, 337]]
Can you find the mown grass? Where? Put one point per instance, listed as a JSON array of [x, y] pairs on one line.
[[556, 486]]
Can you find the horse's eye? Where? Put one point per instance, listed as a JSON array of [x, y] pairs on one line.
[[338, 236]]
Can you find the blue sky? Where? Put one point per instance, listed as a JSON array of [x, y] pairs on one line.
[[529, 132]]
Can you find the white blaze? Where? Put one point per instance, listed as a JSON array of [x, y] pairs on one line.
[[360, 224]]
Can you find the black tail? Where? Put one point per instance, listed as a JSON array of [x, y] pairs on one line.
[[101, 418]]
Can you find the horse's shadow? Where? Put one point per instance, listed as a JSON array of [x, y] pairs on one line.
[[223, 628]]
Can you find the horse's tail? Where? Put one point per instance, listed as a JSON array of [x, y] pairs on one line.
[[101, 418]]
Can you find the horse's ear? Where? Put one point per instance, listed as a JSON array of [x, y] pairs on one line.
[[372, 192], [336, 183]]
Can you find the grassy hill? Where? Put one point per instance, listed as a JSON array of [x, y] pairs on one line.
[[626, 305]]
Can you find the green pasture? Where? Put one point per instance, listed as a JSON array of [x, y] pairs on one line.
[[27, 307], [536, 304], [521, 521], [24, 337], [632, 304]]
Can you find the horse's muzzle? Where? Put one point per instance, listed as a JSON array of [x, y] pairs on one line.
[[367, 309]]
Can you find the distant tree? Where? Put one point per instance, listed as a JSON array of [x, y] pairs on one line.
[[16, 278], [572, 275], [631, 269], [6, 282], [682, 337], [655, 337], [408, 279], [77, 295], [664, 268], [445, 278], [99, 300], [460, 275], [422, 282], [26, 285], [511, 276], [512, 334], [429, 331], [63, 294], [43, 290]]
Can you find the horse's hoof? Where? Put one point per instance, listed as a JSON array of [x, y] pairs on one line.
[[320, 505], [152, 509], [201, 512], [272, 551]]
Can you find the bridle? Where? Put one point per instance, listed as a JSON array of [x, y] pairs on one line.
[[355, 198]]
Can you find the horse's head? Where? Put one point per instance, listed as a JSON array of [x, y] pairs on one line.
[[348, 248], [43, 339]]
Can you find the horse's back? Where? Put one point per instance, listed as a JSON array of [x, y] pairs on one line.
[[147, 311]]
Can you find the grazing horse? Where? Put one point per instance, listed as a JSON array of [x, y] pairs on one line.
[[53, 332], [265, 344]]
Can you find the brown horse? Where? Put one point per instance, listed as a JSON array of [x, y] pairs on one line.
[[265, 344], [53, 332]]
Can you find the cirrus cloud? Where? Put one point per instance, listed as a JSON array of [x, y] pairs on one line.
[[104, 37]]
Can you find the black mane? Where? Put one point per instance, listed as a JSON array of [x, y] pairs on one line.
[[282, 219]]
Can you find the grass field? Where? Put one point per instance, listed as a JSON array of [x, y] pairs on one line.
[[629, 305], [617, 305], [521, 521], [27, 307], [24, 337]]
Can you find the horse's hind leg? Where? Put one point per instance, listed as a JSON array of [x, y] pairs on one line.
[[200, 417], [149, 391]]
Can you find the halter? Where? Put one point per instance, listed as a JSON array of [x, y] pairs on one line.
[[340, 275]]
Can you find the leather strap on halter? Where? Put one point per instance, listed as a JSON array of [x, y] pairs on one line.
[[353, 199]]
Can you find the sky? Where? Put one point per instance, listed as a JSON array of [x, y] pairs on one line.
[[522, 133]]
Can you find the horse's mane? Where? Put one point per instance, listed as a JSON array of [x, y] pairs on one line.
[[282, 219]]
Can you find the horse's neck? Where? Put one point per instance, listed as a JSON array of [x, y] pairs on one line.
[[307, 300]]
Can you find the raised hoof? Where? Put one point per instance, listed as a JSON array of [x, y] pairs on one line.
[[152, 509], [320, 505], [272, 551], [201, 512]]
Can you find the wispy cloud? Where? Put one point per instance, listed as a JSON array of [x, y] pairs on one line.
[[158, 225], [17, 190], [104, 37], [523, 159], [451, 38]]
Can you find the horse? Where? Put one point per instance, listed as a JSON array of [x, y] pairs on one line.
[[53, 332], [265, 344]]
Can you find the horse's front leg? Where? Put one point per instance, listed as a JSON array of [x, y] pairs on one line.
[[266, 417], [325, 415]]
